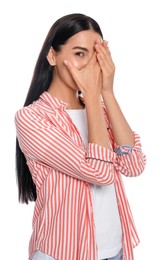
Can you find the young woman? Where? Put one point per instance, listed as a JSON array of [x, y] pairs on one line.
[[73, 144]]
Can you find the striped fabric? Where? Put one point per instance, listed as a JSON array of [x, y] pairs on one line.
[[62, 169]]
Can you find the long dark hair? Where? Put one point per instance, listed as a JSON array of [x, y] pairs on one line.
[[60, 32]]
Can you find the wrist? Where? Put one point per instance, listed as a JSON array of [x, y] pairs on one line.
[[107, 94], [92, 99]]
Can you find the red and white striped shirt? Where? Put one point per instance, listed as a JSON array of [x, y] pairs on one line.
[[62, 169]]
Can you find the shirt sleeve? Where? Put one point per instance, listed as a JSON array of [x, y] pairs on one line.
[[130, 161], [46, 144]]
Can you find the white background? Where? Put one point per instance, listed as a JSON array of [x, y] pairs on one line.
[[134, 32]]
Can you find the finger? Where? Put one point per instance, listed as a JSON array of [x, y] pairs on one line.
[[103, 48], [105, 45], [102, 57], [105, 67], [104, 52], [92, 59], [100, 61], [73, 71], [70, 67]]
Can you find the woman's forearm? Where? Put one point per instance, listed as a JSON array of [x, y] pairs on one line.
[[122, 132], [97, 130]]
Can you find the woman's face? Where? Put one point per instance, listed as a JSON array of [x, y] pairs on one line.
[[78, 50]]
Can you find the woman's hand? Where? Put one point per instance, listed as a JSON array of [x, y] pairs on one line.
[[88, 79], [89, 82], [122, 132], [107, 66]]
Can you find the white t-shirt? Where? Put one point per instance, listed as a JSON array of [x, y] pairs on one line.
[[106, 216]]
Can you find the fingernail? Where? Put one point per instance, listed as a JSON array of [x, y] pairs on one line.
[[66, 62], [99, 40]]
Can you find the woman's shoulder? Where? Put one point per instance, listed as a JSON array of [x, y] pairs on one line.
[[39, 112], [26, 110], [24, 114]]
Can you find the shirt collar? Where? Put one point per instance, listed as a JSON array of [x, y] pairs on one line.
[[53, 101]]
